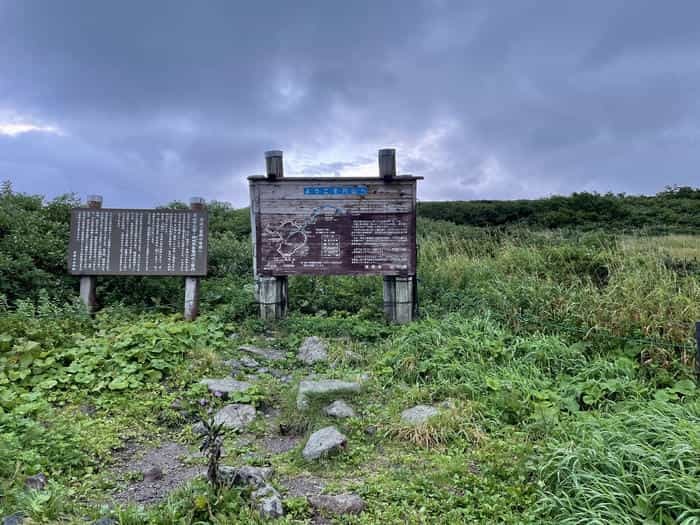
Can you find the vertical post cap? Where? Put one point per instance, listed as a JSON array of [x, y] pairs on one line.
[[274, 167], [94, 201], [387, 163], [197, 203]]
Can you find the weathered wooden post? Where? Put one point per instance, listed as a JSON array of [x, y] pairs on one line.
[[88, 283], [192, 283], [399, 291], [271, 291]]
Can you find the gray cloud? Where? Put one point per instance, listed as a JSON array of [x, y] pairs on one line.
[[163, 100]]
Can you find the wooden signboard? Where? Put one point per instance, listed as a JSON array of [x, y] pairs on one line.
[[137, 242], [334, 226]]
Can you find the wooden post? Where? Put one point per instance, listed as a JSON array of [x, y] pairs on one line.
[[274, 168], [387, 164], [192, 283], [88, 283], [272, 294], [271, 291], [399, 291]]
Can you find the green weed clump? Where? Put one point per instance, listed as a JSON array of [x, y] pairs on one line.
[[640, 464]]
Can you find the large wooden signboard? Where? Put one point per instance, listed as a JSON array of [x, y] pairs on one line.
[[334, 226], [137, 242]]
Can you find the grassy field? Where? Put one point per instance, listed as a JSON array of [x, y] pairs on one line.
[[561, 362]]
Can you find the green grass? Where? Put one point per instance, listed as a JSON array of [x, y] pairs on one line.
[[563, 360]]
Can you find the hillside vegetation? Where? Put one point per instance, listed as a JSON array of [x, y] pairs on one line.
[[675, 210], [560, 359]]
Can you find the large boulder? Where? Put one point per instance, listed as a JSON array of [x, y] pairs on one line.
[[339, 504], [225, 386], [312, 350], [324, 387], [418, 415], [324, 442]]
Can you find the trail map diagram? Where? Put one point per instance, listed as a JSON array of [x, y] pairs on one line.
[[292, 237]]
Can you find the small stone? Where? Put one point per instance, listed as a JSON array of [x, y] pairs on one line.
[[324, 442], [419, 414], [152, 474], [233, 335], [312, 350], [263, 370], [339, 409], [199, 428], [266, 353], [236, 416], [268, 502], [225, 386], [246, 475], [87, 409], [36, 482], [326, 387], [13, 519], [371, 430], [177, 404], [339, 504]]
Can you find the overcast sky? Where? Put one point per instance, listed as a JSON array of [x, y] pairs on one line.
[[145, 102]]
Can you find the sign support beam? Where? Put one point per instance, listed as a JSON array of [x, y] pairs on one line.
[[192, 283], [88, 283]]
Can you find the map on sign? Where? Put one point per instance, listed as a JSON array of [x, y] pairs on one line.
[[137, 242], [312, 227]]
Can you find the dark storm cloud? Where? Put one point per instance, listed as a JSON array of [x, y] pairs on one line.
[[155, 101]]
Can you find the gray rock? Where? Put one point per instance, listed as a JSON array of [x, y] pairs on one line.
[[339, 504], [36, 482], [246, 475], [13, 519], [324, 442], [325, 387], [236, 416], [371, 430], [225, 386], [266, 353], [152, 474], [268, 502], [249, 362], [198, 428], [312, 350], [339, 409], [419, 414]]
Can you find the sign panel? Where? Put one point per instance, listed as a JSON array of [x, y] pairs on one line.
[[137, 242], [334, 226]]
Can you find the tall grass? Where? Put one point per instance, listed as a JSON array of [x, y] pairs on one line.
[[637, 465]]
